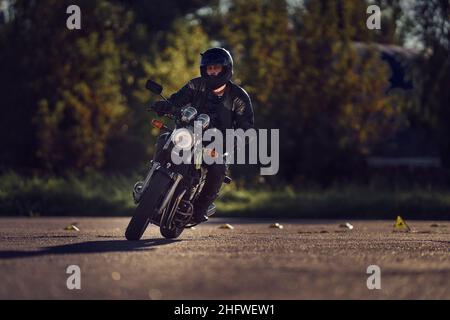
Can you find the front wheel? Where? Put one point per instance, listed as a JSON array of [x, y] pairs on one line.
[[150, 200]]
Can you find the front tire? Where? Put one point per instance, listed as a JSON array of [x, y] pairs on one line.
[[145, 210]]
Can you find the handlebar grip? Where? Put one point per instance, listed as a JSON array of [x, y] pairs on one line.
[[162, 113]]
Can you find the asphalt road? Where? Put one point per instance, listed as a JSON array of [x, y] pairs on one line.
[[303, 260]]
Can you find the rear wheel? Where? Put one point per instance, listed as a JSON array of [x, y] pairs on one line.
[[145, 210], [171, 233]]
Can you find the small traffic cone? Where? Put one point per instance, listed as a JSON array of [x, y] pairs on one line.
[[400, 224]]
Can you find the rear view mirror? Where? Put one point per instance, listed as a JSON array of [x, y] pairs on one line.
[[153, 87]]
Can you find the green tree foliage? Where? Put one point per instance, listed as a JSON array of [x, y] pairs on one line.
[[431, 27], [155, 28], [76, 99], [67, 83], [308, 79], [344, 90], [172, 63], [178, 61], [86, 110], [263, 44], [262, 41]]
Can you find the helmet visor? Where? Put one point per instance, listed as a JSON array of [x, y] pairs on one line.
[[211, 58]]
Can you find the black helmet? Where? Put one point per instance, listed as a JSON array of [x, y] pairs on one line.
[[216, 56]]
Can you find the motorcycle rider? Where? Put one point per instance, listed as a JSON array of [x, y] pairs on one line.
[[228, 106]]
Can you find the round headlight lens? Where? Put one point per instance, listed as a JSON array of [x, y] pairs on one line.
[[188, 114], [204, 119], [183, 139]]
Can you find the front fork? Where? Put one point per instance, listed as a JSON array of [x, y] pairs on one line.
[[140, 186]]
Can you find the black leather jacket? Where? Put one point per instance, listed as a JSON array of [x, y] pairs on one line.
[[231, 111]]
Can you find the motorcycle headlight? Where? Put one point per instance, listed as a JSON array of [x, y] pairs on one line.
[[183, 139], [187, 114], [204, 119]]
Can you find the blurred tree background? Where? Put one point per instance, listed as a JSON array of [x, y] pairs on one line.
[[74, 100]]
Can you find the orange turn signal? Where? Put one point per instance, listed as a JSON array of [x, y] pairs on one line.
[[212, 153], [157, 124]]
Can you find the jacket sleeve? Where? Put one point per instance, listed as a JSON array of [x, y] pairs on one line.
[[243, 111], [183, 96]]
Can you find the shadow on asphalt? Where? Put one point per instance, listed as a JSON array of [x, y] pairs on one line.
[[90, 247]]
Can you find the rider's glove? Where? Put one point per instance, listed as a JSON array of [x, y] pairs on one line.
[[162, 107]]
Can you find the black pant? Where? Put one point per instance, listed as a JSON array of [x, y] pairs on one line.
[[214, 178]]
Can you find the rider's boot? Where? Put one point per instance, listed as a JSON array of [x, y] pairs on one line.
[[201, 208]]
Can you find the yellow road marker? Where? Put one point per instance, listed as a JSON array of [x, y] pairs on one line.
[[346, 225], [226, 226], [400, 224], [72, 227], [276, 226]]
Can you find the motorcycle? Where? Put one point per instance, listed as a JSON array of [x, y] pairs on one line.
[[166, 196]]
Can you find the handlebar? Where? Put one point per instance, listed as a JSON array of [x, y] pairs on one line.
[[173, 115]]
